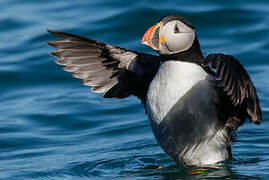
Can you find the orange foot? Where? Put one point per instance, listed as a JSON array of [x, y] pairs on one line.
[[198, 171], [202, 169], [159, 167]]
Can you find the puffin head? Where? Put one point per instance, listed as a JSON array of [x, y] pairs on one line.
[[171, 35]]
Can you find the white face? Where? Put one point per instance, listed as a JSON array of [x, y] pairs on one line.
[[178, 37]]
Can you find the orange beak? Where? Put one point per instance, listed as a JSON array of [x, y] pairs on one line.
[[151, 37]]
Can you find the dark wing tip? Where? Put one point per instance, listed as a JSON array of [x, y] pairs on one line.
[[57, 33], [257, 117], [52, 43], [50, 31]]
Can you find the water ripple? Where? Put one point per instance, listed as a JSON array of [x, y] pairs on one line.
[[54, 128]]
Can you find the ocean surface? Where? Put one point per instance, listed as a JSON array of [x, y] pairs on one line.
[[52, 127]]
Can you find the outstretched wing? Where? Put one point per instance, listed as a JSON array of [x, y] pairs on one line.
[[234, 81], [108, 69]]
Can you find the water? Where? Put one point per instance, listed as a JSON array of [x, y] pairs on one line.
[[52, 127]]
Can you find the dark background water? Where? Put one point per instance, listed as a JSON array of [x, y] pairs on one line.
[[51, 127]]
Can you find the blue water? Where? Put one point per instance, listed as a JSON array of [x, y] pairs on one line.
[[52, 127]]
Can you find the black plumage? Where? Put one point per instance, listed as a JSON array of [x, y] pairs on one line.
[[235, 82]]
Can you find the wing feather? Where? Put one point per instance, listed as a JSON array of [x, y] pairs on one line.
[[234, 81], [111, 70]]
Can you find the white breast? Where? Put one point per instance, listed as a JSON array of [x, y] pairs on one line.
[[172, 81]]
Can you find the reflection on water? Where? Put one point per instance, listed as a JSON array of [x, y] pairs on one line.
[[54, 128]]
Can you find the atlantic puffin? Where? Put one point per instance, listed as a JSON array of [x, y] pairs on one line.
[[193, 103]]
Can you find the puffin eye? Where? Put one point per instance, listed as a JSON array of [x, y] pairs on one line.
[[176, 29]]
